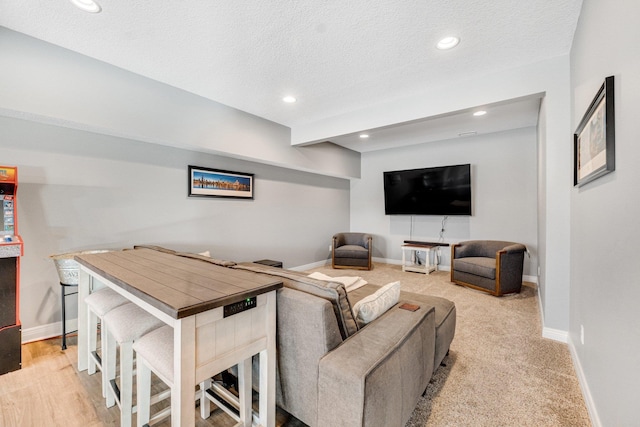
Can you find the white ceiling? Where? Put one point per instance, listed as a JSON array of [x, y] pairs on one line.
[[335, 56]]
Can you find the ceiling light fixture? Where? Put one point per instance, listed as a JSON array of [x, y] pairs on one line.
[[448, 43], [480, 113], [87, 5], [289, 99], [364, 136]]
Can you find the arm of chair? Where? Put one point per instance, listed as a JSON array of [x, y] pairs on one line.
[[338, 240], [376, 376], [469, 248], [366, 241], [509, 263]]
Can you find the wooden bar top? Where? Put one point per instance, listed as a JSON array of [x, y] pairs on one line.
[[176, 285]]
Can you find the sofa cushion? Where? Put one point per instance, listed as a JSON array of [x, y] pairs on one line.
[[373, 306], [445, 315], [480, 266], [331, 291]]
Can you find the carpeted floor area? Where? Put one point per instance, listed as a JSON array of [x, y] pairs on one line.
[[500, 371]]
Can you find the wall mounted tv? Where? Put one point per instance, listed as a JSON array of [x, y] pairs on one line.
[[444, 190]]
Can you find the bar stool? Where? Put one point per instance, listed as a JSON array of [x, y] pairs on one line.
[[99, 303], [125, 325], [154, 353]]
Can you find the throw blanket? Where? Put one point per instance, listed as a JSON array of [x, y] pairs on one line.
[[350, 283]]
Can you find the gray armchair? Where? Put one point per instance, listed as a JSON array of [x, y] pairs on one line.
[[488, 265], [351, 250]]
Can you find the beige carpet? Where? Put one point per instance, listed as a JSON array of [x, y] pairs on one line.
[[500, 371]]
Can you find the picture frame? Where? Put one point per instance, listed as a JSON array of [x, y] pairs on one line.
[[594, 139], [206, 182]]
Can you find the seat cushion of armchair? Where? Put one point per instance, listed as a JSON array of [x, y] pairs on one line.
[[479, 266], [351, 251]]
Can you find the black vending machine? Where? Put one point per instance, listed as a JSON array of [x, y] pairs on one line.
[[10, 252]]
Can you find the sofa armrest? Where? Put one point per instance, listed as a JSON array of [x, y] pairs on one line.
[[307, 330], [376, 377]]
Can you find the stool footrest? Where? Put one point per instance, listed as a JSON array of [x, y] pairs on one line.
[[228, 402], [223, 404], [95, 356], [116, 390], [159, 416]]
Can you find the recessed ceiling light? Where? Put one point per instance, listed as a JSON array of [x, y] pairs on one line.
[[87, 5], [364, 135], [480, 113], [448, 43], [289, 99]]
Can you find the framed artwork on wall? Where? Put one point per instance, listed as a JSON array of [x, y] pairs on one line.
[[205, 182], [594, 139]]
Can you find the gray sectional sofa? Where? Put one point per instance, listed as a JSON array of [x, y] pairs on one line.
[[331, 372]]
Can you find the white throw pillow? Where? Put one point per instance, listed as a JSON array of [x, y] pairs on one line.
[[373, 306]]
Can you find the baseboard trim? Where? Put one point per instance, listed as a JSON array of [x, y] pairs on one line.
[[312, 265], [44, 332], [323, 263], [555, 334], [584, 386], [551, 333]]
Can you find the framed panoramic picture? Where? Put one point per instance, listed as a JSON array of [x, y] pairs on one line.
[[205, 182], [594, 140]]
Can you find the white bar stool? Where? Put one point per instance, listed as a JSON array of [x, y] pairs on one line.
[[124, 324], [154, 353], [99, 303]]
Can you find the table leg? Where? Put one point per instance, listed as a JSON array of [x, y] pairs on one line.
[[245, 391], [267, 401], [403, 259], [84, 283], [183, 409]]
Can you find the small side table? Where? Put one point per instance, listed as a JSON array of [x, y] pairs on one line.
[[269, 262], [411, 266]]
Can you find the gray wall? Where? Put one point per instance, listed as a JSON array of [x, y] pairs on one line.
[[504, 180], [80, 190], [542, 204], [46, 83], [605, 292]]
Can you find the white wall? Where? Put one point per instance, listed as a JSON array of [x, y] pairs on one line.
[[605, 293], [542, 202], [46, 83], [79, 190], [503, 170], [551, 78]]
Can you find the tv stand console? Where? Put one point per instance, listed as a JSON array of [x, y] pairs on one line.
[[414, 246]]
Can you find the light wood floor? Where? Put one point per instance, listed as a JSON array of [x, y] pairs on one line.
[[49, 391]]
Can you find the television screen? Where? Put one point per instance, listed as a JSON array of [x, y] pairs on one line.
[[444, 190]]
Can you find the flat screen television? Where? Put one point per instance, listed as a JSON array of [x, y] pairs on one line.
[[444, 190]]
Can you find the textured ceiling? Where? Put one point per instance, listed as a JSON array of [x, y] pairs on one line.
[[334, 56]]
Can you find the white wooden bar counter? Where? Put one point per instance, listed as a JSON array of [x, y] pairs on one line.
[[189, 295]]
